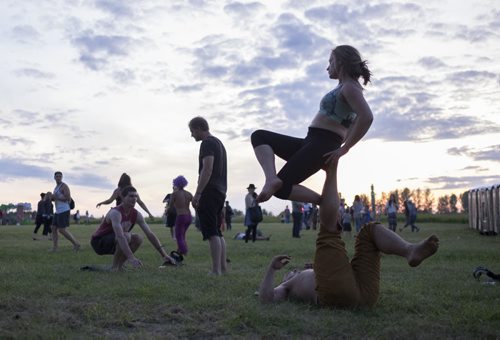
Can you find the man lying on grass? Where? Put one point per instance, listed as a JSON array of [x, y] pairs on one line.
[[334, 281], [114, 234]]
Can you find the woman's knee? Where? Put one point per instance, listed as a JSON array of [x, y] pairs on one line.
[[258, 137]]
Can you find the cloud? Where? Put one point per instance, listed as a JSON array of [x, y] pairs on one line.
[[97, 49], [15, 168], [474, 34], [188, 88], [15, 141], [25, 33], [414, 126], [431, 62], [124, 76], [34, 73], [460, 77], [459, 182], [490, 153], [91, 180], [116, 8], [241, 10], [297, 39]]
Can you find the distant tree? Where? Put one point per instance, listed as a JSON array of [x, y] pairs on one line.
[[428, 201], [443, 204], [453, 204], [237, 212], [405, 194], [365, 199], [464, 200], [417, 199]]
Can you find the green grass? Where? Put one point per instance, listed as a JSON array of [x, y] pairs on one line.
[[45, 295]]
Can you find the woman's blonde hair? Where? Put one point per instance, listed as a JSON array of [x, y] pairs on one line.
[[349, 63]]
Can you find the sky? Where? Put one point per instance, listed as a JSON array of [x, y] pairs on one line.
[[95, 88]]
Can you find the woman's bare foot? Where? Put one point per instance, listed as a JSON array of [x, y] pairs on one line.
[[423, 250], [269, 188]]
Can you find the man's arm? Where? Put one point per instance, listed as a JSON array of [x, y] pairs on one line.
[[152, 238], [267, 292], [205, 174], [64, 193], [121, 239]]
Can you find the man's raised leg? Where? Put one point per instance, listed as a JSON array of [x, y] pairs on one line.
[[389, 242]]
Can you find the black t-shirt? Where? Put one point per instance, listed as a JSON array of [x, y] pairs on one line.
[[212, 146]]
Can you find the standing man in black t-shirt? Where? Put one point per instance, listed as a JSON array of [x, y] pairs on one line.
[[211, 191]]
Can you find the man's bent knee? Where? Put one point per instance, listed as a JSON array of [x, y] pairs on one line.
[[135, 239]]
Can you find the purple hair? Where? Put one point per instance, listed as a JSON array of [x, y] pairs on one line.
[[180, 182]]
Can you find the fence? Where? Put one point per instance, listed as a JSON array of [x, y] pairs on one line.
[[484, 209]]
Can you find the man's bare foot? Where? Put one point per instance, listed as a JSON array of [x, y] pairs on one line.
[[423, 250], [269, 188]]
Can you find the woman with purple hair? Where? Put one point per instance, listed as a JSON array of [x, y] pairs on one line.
[[180, 200]]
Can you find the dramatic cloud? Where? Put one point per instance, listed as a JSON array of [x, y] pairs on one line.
[[491, 153], [97, 49], [15, 168]]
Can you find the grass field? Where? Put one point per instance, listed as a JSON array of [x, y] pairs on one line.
[[45, 295]]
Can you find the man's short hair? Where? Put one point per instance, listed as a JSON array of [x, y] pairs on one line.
[[199, 123], [126, 190], [57, 173]]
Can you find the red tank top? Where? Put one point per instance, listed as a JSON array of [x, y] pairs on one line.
[[107, 228]]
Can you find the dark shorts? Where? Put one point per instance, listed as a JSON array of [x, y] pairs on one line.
[[104, 245], [61, 220], [209, 212], [346, 227]]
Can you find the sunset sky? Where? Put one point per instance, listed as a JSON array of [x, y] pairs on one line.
[[95, 88]]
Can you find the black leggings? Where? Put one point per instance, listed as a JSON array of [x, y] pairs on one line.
[[304, 156]]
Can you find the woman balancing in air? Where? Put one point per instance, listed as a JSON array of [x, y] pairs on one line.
[[343, 119]]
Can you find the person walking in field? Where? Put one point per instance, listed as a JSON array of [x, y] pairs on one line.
[[180, 200], [334, 281], [60, 223], [411, 215], [114, 236]]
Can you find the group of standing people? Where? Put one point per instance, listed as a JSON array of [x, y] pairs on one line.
[[114, 236]]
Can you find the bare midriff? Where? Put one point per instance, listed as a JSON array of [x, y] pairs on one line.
[[323, 122]]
